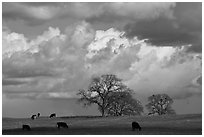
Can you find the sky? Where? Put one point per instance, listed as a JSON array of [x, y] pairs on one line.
[[51, 50]]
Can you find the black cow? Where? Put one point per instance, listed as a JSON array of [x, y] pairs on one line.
[[62, 124], [26, 127], [136, 125], [53, 115], [33, 117], [38, 114]]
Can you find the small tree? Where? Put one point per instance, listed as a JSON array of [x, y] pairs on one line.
[[161, 104], [122, 103], [99, 90]]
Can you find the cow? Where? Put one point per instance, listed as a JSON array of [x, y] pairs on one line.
[[53, 115], [62, 124], [26, 127], [33, 117], [136, 125]]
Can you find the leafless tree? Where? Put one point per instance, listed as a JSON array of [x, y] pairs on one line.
[[122, 103], [161, 104], [99, 91]]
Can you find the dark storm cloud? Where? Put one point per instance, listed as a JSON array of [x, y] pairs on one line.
[[107, 18], [160, 31], [26, 18], [12, 95], [42, 3], [27, 13], [10, 82], [11, 71], [37, 13], [25, 73], [186, 28]]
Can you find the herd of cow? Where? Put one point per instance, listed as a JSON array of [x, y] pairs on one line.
[[59, 124], [135, 125], [38, 115]]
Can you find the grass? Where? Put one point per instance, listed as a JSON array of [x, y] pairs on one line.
[[151, 125]]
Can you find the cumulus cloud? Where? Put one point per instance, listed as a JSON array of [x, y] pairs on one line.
[[178, 23], [13, 42], [56, 65], [47, 59], [24, 58], [144, 67]]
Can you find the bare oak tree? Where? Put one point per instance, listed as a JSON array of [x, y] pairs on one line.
[[99, 90], [160, 104]]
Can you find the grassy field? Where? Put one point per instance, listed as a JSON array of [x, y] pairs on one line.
[[151, 125]]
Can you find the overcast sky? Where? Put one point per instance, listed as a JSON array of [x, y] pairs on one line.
[[51, 50]]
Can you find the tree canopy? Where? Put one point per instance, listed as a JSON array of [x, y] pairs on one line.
[[160, 104], [99, 90], [122, 103], [111, 96]]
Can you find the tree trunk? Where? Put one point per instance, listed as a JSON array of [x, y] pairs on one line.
[[102, 112], [103, 108]]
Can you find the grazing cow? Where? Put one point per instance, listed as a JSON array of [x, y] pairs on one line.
[[53, 115], [38, 114], [26, 127], [33, 117], [62, 124], [136, 125]]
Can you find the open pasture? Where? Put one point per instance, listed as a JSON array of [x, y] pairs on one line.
[[151, 125]]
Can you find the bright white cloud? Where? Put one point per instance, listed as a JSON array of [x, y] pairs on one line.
[[161, 52], [13, 42], [58, 65], [102, 40]]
